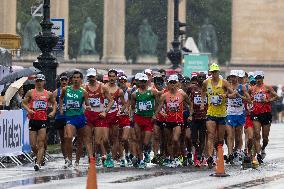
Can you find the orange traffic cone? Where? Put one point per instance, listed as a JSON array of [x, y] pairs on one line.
[[220, 169], [92, 175]]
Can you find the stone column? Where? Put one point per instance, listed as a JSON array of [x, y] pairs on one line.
[[60, 9], [8, 16], [114, 31], [182, 18]]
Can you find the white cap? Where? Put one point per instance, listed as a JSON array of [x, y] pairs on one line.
[[91, 72], [173, 78], [40, 77], [234, 73], [148, 71], [143, 77], [241, 73], [137, 76], [260, 73], [250, 74], [123, 77]]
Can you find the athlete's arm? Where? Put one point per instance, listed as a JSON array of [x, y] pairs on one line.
[[26, 101], [133, 100], [124, 104], [160, 106], [273, 94], [230, 92], [53, 103], [86, 100], [203, 93], [62, 95], [108, 97]]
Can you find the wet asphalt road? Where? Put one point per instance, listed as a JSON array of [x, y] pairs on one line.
[[269, 175]]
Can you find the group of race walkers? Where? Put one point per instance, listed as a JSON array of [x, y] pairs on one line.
[[181, 119]]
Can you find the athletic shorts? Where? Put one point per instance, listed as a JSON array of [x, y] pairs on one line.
[[187, 124], [160, 124], [171, 125], [77, 121], [235, 120], [218, 120], [124, 121], [249, 123], [93, 119], [145, 123], [112, 119], [264, 118], [59, 124], [36, 125]]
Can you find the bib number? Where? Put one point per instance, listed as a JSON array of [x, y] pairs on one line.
[[95, 102], [259, 97], [216, 100], [39, 105], [235, 103], [197, 100], [173, 106], [145, 106], [72, 104]]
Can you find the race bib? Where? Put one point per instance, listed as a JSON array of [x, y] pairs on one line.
[[259, 97], [63, 107], [216, 100], [39, 105], [173, 106], [236, 103], [145, 106], [72, 104], [197, 100], [95, 102]]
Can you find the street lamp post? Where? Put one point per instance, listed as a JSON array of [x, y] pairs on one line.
[[175, 54], [46, 41]]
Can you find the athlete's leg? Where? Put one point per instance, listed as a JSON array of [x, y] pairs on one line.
[[87, 133], [256, 133], [69, 131], [99, 139], [33, 142], [265, 135], [230, 139], [239, 137], [41, 136], [249, 132], [175, 140], [62, 144], [156, 139], [211, 135], [138, 142]]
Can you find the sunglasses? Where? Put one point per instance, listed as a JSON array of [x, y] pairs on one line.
[[122, 81], [64, 79], [258, 77], [142, 81], [173, 82]]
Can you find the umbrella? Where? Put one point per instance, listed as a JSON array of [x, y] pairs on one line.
[[18, 74], [13, 88]]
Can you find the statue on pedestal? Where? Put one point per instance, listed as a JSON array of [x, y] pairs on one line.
[[32, 28], [207, 39], [148, 40], [88, 39]]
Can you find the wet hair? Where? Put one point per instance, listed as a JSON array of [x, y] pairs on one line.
[[162, 71], [112, 71], [78, 72]]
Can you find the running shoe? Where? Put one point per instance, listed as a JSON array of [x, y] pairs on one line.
[[166, 162], [135, 162], [177, 162], [122, 163], [263, 154], [247, 162], [67, 164], [98, 160], [155, 159], [230, 159], [36, 167], [142, 165], [210, 162], [109, 162], [189, 159], [77, 163], [259, 158], [147, 157]]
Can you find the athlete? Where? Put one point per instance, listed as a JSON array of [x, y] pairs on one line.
[[60, 121], [216, 90], [143, 104], [36, 103], [262, 96], [173, 101], [97, 92], [75, 96]]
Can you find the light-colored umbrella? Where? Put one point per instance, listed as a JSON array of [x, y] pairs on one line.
[[13, 88]]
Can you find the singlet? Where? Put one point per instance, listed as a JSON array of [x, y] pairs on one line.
[[145, 103], [114, 107], [58, 115], [195, 97], [74, 101], [174, 107], [126, 99], [39, 104], [216, 104], [236, 106], [260, 93], [96, 99]]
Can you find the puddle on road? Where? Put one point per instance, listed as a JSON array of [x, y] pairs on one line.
[[41, 179], [254, 183]]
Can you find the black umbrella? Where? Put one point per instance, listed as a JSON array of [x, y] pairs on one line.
[[18, 74]]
